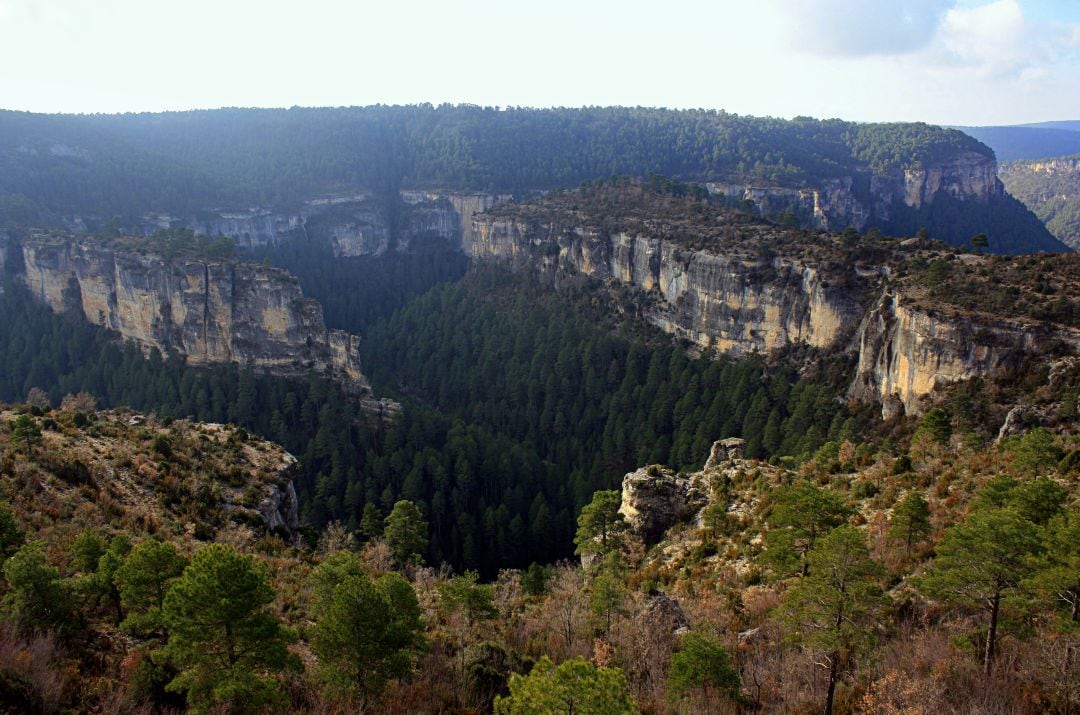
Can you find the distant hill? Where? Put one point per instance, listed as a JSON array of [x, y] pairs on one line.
[[1031, 141], [82, 171], [1071, 125], [1051, 189]]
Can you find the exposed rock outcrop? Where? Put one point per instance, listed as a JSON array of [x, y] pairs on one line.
[[278, 509], [725, 450], [906, 352], [710, 286], [655, 498], [836, 203], [208, 311], [355, 225], [733, 303]]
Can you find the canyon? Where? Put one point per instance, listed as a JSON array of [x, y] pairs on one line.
[[719, 289]]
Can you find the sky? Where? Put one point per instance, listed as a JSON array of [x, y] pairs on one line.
[[971, 62]]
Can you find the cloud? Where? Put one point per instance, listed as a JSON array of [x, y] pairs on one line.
[[997, 41], [857, 28]]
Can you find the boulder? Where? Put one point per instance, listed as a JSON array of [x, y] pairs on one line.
[[655, 498]]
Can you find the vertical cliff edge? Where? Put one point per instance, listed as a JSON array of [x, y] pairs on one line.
[[737, 286], [207, 310]]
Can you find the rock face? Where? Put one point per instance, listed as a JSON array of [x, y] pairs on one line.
[[209, 311], [836, 203], [733, 303], [740, 302], [655, 498], [1051, 189], [725, 450], [356, 225], [278, 509], [906, 352]]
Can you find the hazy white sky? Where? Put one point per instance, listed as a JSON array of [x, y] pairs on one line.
[[943, 61]]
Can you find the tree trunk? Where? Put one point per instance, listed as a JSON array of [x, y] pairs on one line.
[[114, 596], [834, 659], [991, 633]]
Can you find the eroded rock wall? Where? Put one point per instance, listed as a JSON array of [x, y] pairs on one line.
[[357, 225], [736, 304], [836, 203], [906, 352], [740, 304], [209, 311]]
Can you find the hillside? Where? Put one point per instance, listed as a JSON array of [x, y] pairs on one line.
[[918, 315], [82, 171], [690, 597], [134, 472], [1051, 189]]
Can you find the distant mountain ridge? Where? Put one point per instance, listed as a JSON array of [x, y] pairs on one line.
[[82, 171], [1029, 141]]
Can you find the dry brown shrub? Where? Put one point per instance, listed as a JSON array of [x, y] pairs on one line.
[[336, 537], [38, 661], [82, 402], [377, 558]]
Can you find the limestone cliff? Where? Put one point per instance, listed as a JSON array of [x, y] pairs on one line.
[[734, 303], [1051, 189], [871, 198], [209, 311], [361, 224], [721, 282], [906, 351]]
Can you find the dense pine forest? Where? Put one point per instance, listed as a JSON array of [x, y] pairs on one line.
[[119, 164], [515, 410]]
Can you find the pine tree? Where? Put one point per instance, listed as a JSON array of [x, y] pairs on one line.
[[37, 598], [406, 532], [910, 521], [702, 663], [574, 687], [367, 632], [11, 536], [800, 515], [833, 608], [222, 638], [143, 579], [982, 561], [25, 429], [600, 525]]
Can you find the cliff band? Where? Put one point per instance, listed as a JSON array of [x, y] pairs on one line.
[[735, 299], [208, 311]]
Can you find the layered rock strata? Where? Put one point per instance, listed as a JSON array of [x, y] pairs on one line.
[[356, 225], [208, 311], [836, 203], [740, 302]]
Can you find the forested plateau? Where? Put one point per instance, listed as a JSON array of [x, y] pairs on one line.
[[266, 172]]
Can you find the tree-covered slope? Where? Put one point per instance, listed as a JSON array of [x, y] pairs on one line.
[[1051, 189], [499, 446], [195, 159]]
